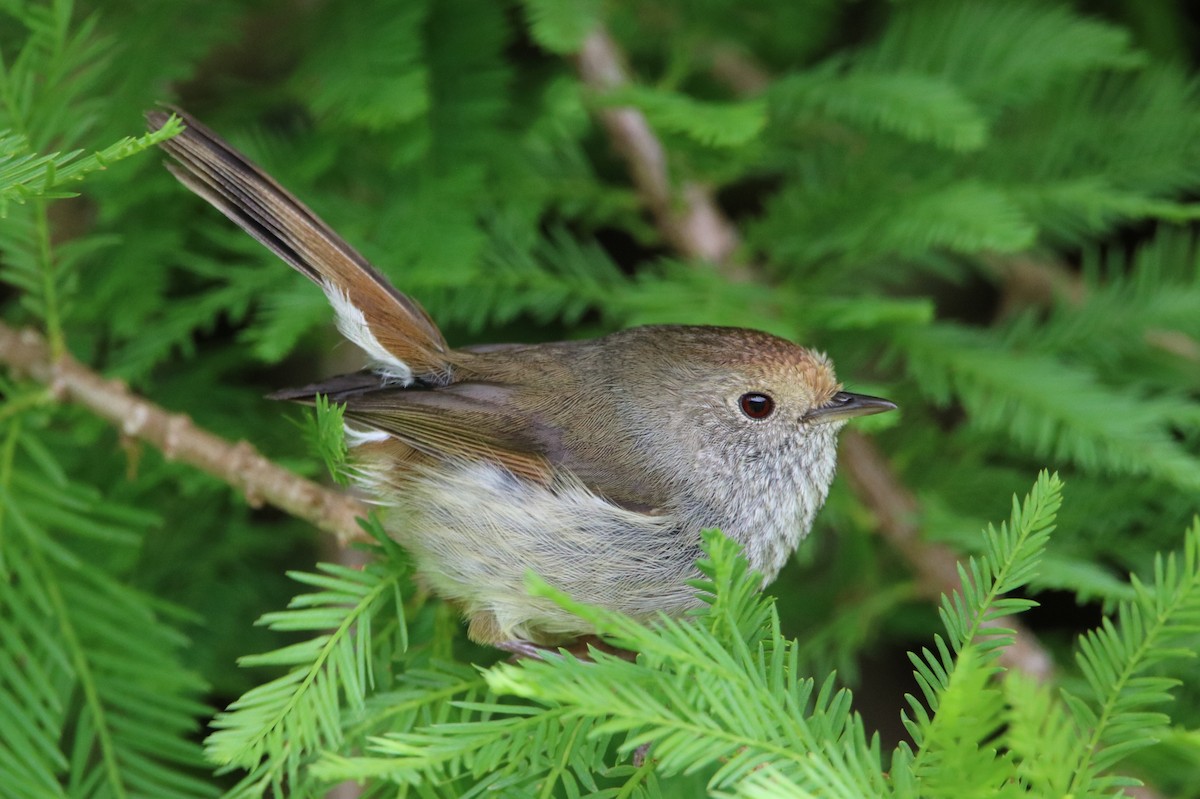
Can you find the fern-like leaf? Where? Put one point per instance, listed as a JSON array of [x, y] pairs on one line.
[[25, 175], [960, 712], [1002, 51], [918, 107], [1011, 561], [718, 692], [560, 25], [1050, 407], [324, 429], [1119, 660], [367, 69], [714, 124], [96, 703], [274, 728]]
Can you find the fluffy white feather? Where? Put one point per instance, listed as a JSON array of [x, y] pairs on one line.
[[356, 437], [353, 325]]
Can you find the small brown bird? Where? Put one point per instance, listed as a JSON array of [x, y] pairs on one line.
[[594, 464]]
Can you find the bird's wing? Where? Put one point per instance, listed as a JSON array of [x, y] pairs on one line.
[[465, 421]]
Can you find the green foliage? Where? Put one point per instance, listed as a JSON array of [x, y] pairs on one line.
[[24, 175], [1054, 409], [722, 695], [918, 107], [48, 280], [560, 27], [983, 210], [1013, 554], [1002, 53], [954, 737], [273, 728], [97, 702], [388, 83], [712, 124], [326, 436], [1119, 662]]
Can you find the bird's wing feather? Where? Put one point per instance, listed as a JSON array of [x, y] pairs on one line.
[[479, 421], [468, 421]]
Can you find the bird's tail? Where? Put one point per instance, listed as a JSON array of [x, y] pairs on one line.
[[392, 328]]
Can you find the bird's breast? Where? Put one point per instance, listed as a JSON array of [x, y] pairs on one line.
[[766, 501]]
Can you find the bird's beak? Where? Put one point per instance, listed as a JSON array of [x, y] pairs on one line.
[[844, 405]]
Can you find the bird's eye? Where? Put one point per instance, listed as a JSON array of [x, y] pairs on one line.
[[756, 406]]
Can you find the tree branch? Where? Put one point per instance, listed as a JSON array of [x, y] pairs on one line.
[[936, 566], [239, 464], [691, 221]]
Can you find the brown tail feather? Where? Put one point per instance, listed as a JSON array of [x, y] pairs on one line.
[[391, 327]]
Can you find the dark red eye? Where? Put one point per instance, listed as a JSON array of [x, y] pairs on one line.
[[756, 406]]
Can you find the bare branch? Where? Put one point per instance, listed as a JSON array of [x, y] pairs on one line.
[[690, 219], [179, 438], [738, 71]]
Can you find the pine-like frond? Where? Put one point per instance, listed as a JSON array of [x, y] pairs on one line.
[[858, 210], [276, 727], [1133, 158], [291, 310], [715, 124], [717, 697], [560, 25], [1040, 734], [25, 175], [45, 273], [1051, 408], [1140, 310], [1065, 141], [1072, 208], [956, 754], [952, 725], [440, 726], [921, 108], [719, 691], [236, 279], [1087, 580], [96, 703], [557, 277], [51, 77], [367, 68], [1002, 52], [1121, 662], [1010, 561], [324, 430]]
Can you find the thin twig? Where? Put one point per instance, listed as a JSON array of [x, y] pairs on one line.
[[710, 236], [738, 71], [936, 566], [688, 219], [239, 464]]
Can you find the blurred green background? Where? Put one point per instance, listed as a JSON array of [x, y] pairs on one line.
[[982, 210]]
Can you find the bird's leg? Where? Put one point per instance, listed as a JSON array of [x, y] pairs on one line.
[[523, 649]]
